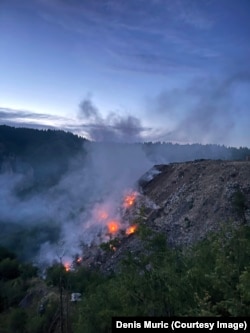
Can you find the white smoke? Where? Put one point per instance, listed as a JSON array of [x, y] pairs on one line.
[[88, 189]]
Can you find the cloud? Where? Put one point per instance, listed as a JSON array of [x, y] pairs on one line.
[[29, 119], [14, 114], [13, 117], [130, 38]]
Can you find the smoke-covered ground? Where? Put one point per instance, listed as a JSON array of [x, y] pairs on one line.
[[53, 222]]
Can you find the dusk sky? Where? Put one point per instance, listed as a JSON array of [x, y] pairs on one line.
[[128, 70]]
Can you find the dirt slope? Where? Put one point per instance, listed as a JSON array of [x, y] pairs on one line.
[[196, 197]]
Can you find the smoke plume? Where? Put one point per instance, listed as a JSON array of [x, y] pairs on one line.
[[111, 128]]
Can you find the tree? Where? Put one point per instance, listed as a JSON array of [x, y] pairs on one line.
[[9, 269], [18, 321]]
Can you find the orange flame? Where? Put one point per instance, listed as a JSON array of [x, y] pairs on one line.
[[129, 200], [130, 230], [113, 226], [67, 266]]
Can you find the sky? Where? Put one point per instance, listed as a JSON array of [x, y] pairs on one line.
[[128, 70]]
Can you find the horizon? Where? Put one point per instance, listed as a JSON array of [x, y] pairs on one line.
[[40, 128]]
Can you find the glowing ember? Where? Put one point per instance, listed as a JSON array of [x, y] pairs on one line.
[[79, 260], [130, 230], [113, 227], [67, 266], [129, 200]]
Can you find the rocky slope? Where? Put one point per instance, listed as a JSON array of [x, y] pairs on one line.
[[194, 198], [186, 201]]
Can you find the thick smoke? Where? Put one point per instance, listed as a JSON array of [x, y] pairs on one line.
[[60, 219], [56, 221], [97, 185], [65, 216], [47, 223]]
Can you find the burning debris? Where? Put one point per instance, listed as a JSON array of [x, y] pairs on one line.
[[130, 199], [131, 230], [110, 223], [70, 265], [113, 227], [116, 220], [79, 260], [67, 266]]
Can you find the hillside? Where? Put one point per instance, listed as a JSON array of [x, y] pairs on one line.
[[189, 255], [185, 202], [42, 155], [52, 182], [194, 198]]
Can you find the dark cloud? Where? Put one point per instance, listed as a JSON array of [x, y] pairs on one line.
[[17, 118], [12, 114], [29, 119]]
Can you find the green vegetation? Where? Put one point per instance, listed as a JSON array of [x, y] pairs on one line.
[[209, 279], [111, 245], [239, 204]]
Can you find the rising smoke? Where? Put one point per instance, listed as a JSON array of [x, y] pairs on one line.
[[58, 220], [112, 128], [97, 186], [207, 110]]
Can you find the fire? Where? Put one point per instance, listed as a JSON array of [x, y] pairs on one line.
[[130, 230], [79, 260], [67, 266], [113, 226], [129, 200]]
